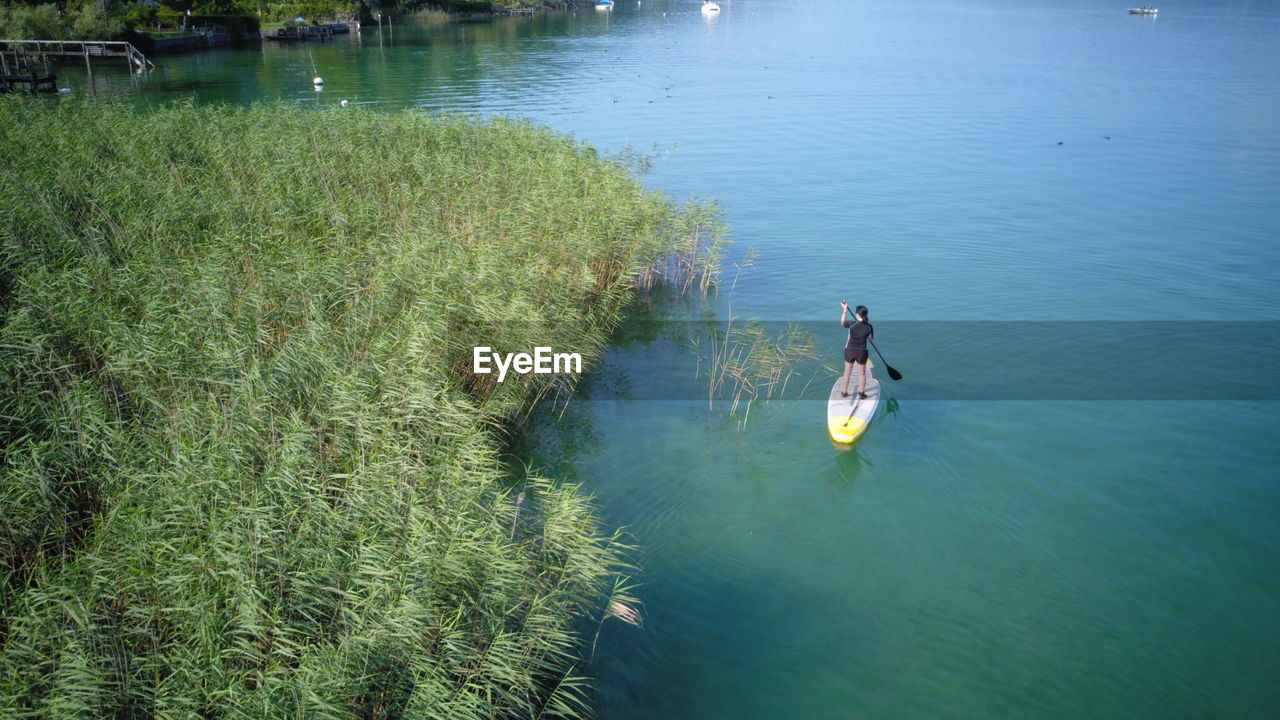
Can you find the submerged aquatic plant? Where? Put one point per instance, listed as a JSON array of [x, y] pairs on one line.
[[745, 363], [698, 235], [245, 467]]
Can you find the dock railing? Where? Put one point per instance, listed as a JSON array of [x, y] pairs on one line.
[[78, 49]]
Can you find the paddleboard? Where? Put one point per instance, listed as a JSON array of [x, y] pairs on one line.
[[848, 417]]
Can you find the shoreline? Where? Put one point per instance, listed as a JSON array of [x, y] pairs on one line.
[[235, 35], [222, 39]]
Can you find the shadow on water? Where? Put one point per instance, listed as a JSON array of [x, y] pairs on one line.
[[891, 407], [562, 429], [550, 440]]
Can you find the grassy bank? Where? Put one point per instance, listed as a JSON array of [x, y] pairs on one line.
[[246, 471]]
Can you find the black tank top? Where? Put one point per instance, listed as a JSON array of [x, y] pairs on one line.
[[858, 333]]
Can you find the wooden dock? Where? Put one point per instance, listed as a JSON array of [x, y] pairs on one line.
[[306, 32], [500, 11], [42, 50], [12, 81]]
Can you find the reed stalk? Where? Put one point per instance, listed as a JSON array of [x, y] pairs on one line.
[[746, 363], [245, 467]]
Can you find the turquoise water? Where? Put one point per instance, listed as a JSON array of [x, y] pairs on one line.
[[937, 161]]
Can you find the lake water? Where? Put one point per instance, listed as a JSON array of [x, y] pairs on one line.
[[1005, 163]]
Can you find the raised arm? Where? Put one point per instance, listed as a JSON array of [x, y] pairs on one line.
[[844, 308]]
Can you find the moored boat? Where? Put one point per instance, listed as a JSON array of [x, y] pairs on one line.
[[1143, 11]]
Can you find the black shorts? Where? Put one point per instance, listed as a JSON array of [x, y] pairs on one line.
[[855, 355]]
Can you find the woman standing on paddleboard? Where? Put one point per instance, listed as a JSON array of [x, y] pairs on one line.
[[855, 350]]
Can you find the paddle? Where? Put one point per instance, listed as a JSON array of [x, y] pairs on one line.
[[892, 373]]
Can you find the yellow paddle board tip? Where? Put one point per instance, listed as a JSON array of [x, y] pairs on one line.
[[845, 433]]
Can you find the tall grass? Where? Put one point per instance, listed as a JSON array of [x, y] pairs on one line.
[[430, 12], [245, 469]]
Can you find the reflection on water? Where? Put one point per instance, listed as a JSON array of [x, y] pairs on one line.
[[849, 462]]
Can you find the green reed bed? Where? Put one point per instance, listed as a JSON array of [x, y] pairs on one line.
[[245, 470]]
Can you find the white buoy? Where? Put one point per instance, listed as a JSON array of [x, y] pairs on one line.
[[318, 80], [343, 103]]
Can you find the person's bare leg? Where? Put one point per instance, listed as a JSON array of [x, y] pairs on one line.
[[848, 367], [862, 378]]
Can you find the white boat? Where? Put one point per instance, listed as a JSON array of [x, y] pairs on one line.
[[710, 7], [604, 4], [1143, 11]]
